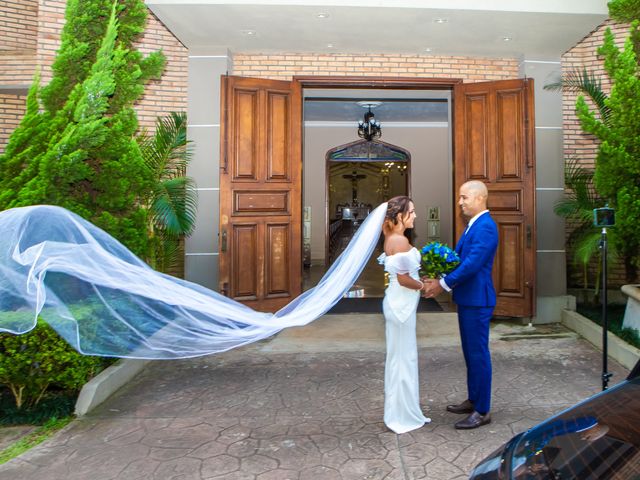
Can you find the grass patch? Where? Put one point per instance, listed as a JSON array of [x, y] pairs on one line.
[[615, 316], [34, 438]]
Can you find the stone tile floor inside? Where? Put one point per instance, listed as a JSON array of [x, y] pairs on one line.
[[253, 414]]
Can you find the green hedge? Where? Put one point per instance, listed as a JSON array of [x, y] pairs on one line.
[[615, 317], [35, 364]]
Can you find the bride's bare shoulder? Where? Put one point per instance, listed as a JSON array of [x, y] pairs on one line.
[[396, 243]]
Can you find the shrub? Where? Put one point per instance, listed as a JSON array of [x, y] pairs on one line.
[[33, 362]]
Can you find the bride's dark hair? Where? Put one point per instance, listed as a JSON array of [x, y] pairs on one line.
[[396, 205]]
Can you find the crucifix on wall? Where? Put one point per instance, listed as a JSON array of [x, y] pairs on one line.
[[354, 177]]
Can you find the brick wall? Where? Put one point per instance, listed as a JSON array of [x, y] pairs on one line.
[[12, 109], [18, 25], [285, 65], [18, 43], [50, 23], [17, 68], [578, 144], [170, 92], [161, 96]]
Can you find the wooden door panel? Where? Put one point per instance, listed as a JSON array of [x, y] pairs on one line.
[[261, 202], [278, 150], [245, 135], [509, 274], [244, 238], [277, 260], [509, 131], [506, 201], [477, 143], [493, 135], [260, 192]]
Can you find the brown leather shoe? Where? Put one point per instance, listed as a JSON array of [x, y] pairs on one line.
[[464, 407], [474, 420]]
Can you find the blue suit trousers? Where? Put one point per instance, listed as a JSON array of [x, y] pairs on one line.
[[474, 333]]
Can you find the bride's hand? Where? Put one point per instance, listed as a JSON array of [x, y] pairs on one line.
[[432, 287]]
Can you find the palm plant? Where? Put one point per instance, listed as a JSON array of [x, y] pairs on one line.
[[585, 83], [577, 207], [172, 202]]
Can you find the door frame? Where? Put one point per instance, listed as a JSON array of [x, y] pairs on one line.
[[299, 83]]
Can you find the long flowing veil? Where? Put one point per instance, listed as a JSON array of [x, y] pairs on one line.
[[105, 301]]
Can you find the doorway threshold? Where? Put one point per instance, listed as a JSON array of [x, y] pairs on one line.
[[374, 305], [362, 332]]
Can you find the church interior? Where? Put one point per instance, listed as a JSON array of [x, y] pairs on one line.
[[352, 166]]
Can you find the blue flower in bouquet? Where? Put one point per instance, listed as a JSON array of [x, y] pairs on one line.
[[437, 260]]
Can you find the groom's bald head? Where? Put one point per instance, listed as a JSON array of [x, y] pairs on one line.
[[473, 198], [477, 187]]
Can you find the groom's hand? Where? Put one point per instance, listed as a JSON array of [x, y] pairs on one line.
[[432, 287]]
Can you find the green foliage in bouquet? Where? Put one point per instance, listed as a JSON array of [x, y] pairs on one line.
[[437, 260]]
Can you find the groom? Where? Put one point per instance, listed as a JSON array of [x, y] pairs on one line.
[[475, 297]]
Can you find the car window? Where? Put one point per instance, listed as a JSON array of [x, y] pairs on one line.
[[597, 439]]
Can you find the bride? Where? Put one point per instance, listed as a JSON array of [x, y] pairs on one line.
[[402, 261]]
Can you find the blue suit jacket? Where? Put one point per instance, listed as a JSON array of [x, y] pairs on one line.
[[471, 281]]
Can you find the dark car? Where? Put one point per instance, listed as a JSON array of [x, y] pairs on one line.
[[597, 439]]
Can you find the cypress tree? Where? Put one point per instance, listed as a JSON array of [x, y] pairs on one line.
[[78, 149]]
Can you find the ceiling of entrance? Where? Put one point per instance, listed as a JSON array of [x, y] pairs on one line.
[[397, 106], [541, 29]]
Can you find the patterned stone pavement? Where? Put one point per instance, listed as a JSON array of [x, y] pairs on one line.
[[263, 415]]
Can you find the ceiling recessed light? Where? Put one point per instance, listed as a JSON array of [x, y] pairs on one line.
[[322, 15], [330, 45], [428, 49], [248, 33], [440, 20], [506, 39]]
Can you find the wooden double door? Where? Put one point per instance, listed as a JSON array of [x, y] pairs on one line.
[[261, 181]]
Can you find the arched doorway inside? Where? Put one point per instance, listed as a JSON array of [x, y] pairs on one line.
[[360, 176]]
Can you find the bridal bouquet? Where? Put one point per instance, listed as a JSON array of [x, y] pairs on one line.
[[437, 260]]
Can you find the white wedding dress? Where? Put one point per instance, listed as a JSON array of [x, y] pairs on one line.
[[402, 411]]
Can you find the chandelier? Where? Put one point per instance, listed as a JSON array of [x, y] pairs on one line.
[[369, 128], [388, 166]]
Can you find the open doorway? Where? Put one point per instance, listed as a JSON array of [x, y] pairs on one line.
[[360, 176], [344, 178]]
